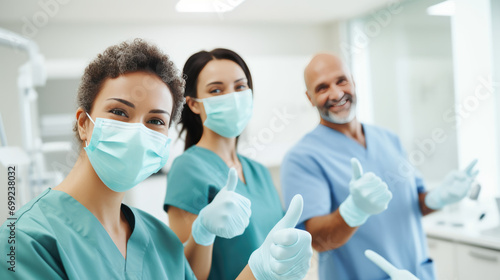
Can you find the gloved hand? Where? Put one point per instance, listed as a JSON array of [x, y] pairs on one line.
[[286, 253], [226, 216], [454, 188], [393, 272], [369, 196]]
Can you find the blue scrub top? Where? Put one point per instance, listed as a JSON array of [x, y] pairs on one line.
[[56, 237], [192, 183], [318, 167]]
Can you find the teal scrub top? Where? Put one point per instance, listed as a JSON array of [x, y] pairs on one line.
[[56, 237], [193, 181]]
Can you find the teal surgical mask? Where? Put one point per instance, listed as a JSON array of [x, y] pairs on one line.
[[124, 154], [228, 114]]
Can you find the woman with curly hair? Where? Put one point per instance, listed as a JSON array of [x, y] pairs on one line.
[[128, 97]]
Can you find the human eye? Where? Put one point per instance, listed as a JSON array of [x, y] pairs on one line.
[[342, 82], [321, 88], [156, 122], [241, 87], [118, 112], [215, 91]]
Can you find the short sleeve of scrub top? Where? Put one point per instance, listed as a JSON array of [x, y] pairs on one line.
[[193, 181], [56, 237]]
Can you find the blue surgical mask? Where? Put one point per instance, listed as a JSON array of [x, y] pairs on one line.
[[124, 154], [228, 114]]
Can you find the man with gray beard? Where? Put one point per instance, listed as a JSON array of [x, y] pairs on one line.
[[346, 210]]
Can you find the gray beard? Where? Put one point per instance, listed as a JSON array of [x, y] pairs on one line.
[[330, 117]]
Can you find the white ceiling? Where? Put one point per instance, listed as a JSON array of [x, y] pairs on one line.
[[135, 11]]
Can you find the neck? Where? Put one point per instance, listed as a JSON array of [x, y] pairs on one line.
[[222, 146], [83, 184], [352, 129]]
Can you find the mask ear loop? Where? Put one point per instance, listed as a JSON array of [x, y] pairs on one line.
[[86, 144]]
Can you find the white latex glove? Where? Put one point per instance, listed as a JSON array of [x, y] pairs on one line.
[[226, 216], [286, 253], [454, 188], [369, 196], [393, 272]]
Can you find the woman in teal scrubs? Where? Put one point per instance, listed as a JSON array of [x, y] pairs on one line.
[[128, 97], [218, 107]]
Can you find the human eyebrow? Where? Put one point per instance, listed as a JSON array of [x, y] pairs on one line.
[[159, 111], [240, 80], [214, 83], [342, 78], [128, 103]]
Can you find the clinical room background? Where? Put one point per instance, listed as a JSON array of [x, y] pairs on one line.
[[428, 70]]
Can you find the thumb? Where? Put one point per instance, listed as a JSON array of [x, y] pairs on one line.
[[292, 214], [381, 262], [357, 170], [468, 170], [232, 180]]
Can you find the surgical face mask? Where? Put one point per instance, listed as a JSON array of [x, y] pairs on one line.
[[124, 154], [327, 115], [228, 114]]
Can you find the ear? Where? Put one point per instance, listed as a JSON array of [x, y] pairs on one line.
[[81, 121], [193, 105], [310, 99]]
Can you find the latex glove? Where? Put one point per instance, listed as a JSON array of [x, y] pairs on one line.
[[369, 196], [286, 253], [226, 216], [393, 272], [454, 188]]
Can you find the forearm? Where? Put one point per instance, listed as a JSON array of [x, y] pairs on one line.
[[199, 258], [423, 207], [246, 274], [329, 232]]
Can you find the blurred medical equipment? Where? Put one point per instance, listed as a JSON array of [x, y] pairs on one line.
[[392, 271], [475, 191], [495, 231], [3, 137], [32, 175]]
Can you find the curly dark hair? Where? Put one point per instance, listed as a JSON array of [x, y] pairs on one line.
[[128, 57]]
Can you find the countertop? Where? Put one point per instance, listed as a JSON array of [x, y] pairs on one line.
[[461, 223]]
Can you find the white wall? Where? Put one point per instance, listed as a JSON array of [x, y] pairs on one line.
[[495, 16], [476, 106], [409, 81]]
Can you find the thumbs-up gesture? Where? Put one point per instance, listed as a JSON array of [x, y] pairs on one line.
[[454, 188], [286, 253], [369, 195], [392, 271], [226, 216]]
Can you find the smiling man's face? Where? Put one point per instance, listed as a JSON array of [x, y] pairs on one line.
[[330, 88]]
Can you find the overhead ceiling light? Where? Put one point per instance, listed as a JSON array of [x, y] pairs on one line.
[[207, 6], [446, 8]]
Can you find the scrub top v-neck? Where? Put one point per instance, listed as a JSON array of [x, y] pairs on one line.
[[195, 179], [58, 238]]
